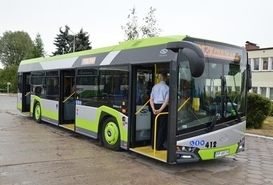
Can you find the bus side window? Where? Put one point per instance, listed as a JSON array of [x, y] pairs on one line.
[[38, 90]]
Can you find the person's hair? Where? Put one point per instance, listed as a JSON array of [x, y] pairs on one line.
[[164, 74]]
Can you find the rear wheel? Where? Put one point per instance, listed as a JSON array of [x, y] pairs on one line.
[[37, 113], [110, 134]]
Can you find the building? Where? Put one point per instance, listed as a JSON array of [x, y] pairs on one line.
[[261, 60]]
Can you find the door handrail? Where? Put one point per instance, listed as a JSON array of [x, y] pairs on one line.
[[155, 128], [68, 97], [27, 93], [142, 107], [155, 122], [183, 104]]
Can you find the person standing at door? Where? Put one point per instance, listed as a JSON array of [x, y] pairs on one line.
[[159, 100]]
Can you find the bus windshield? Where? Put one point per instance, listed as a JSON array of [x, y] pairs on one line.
[[213, 98]]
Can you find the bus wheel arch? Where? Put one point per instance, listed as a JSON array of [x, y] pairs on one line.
[[37, 112], [110, 133]]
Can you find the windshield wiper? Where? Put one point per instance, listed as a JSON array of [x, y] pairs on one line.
[[225, 99], [224, 104], [213, 122]]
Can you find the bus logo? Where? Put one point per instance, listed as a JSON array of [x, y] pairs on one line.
[[163, 51]]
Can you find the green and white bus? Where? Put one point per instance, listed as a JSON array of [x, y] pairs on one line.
[[94, 93]]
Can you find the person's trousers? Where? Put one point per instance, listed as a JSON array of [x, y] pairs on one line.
[[162, 126]]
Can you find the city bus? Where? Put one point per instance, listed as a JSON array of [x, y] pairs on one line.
[[94, 93]]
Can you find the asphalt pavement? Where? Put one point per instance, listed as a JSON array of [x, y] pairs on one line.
[[32, 153]]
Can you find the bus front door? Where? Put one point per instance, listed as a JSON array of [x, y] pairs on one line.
[[142, 127], [143, 113]]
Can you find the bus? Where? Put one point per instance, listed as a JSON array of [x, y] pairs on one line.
[[94, 93]]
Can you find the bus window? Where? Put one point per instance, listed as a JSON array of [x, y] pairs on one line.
[[37, 81], [115, 85]]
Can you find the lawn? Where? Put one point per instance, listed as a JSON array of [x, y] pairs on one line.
[[267, 129]]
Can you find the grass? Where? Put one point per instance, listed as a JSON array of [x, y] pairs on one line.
[[266, 130]]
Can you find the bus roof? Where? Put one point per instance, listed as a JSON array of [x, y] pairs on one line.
[[128, 52], [124, 52]]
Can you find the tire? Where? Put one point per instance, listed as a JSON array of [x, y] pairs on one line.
[[37, 113], [110, 134]]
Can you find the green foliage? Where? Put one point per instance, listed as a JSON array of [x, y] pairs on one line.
[[258, 108], [68, 43], [271, 113], [38, 50], [82, 41], [15, 47], [63, 42], [131, 28], [9, 74], [149, 29]]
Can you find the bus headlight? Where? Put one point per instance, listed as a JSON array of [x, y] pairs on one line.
[[187, 154], [241, 145]]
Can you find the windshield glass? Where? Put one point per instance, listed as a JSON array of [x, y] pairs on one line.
[[217, 96]]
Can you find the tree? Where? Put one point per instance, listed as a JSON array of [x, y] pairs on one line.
[[9, 74], [149, 29], [82, 41], [68, 43], [131, 28], [62, 42], [38, 50], [15, 47]]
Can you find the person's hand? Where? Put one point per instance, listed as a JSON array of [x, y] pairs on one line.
[[156, 111]]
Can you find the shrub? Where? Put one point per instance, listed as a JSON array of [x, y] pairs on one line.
[[258, 108], [271, 113]]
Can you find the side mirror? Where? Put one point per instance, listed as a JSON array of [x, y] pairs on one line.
[[197, 64], [193, 53]]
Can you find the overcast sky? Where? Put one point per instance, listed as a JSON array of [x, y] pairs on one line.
[[231, 21]]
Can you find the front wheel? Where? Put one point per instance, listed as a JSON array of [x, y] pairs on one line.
[[110, 134], [37, 113]]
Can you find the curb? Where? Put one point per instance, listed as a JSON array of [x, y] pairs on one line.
[[259, 136], [8, 94]]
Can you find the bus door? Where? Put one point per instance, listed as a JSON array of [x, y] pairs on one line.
[[26, 94], [142, 125], [143, 80], [67, 99]]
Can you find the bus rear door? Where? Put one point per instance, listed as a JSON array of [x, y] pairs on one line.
[[26, 93], [67, 99]]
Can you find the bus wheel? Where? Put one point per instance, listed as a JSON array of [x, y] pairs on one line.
[[37, 113], [110, 134]]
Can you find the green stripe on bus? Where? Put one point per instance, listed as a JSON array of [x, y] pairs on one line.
[[87, 124], [50, 114], [69, 55], [207, 154], [19, 106]]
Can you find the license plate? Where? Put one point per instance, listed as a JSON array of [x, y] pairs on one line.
[[221, 153]]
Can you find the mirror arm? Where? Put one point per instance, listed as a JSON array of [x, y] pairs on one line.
[[175, 46]]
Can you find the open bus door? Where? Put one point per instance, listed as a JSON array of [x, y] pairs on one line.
[[142, 121], [26, 93], [67, 99]]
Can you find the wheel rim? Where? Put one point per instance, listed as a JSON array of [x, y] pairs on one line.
[[37, 112], [111, 133]]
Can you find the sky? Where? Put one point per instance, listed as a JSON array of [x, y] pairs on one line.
[[230, 21]]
